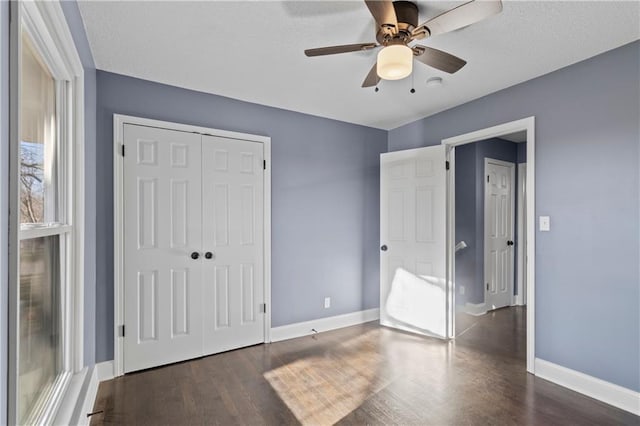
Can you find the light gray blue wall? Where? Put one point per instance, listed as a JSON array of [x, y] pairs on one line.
[[522, 152], [325, 198], [465, 181], [587, 180], [76, 25], [90, 217], [4, 202]]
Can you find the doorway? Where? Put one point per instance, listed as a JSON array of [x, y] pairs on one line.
[[474, 300]]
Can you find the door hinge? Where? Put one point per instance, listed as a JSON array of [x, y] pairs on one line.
[[487, 178], [264, 164], [121, 330], [487, 286], [123, 150], [446, 165], [263, 308]]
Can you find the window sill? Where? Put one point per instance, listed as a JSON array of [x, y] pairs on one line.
[[78, 399]]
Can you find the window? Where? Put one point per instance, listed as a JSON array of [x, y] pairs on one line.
[[43, 236], [38, 141], [46, 215]]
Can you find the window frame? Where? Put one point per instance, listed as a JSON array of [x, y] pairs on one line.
[[47, 28]]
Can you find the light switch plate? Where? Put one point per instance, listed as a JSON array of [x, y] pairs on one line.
[[327, 302], [545, 223]]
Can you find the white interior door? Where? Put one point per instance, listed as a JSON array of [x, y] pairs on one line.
[[498, 233], [162, 228], [233, 226], [413, 281]]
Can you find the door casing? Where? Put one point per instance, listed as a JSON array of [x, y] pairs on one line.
[[118, 218], [521, 243], [528, 125]]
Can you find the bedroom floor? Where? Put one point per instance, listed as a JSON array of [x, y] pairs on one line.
[[365, 374]]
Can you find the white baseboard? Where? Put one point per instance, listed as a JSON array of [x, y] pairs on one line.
[[475, 309], [85, 403], [607, 392], [73, 394], [79, 398], [83, 391], [300, 329], [105, 371]]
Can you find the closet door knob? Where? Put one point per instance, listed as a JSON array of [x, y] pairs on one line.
[[195, 255], [383, 248], [208, 255]]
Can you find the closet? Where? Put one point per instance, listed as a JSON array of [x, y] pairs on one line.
[[193, 244]]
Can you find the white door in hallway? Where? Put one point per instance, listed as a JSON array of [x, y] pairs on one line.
[[232, 196], [162, 229], [498, 233], [413, 283]]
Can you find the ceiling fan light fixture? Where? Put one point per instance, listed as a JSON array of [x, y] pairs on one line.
[[395, 62]]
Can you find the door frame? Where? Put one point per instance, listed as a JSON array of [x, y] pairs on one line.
[[528, 125], [512, 172], [119, 121], [521, 242]]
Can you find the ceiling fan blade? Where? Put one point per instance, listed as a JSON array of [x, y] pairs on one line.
[[331, 50], [458, 17], [384, 13], [372, 78], [438, 59]]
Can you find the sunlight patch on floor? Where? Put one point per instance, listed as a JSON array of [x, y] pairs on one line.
[[343, 389]]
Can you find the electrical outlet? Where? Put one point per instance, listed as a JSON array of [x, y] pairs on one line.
[[327, 302], [461, 290]]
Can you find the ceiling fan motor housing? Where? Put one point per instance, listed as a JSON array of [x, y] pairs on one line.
[[398, 26], [407, 15]]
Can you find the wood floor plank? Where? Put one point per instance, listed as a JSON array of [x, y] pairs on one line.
[[366, 374]]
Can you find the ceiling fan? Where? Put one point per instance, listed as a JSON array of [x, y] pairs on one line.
[[397, 27]]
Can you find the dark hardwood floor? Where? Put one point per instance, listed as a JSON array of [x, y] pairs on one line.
[[364, 374]]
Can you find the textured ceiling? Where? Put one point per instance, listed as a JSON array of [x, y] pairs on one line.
[[253, 51]]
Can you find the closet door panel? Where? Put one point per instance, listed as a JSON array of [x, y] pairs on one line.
[[233, 288], [162, 229]]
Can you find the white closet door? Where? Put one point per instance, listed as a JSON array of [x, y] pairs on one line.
[[233, 291], [163, 227], [413, 283]]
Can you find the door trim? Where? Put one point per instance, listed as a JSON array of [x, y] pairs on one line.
[[512, 168], [521, 242], [528, 125], [118, 218]]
